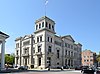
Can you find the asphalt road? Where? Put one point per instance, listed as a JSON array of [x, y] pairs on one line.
[[48, 72]]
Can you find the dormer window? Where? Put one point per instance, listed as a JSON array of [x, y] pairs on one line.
[[46, 24], [42, 24], [39, 25], [49, 26]]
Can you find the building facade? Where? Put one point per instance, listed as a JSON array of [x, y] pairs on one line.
[[44, 48], [89, 58]]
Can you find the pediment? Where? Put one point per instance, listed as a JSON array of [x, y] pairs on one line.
[[26, 37], [69, 37]]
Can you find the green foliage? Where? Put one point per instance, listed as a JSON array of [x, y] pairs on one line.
[[9, 59], [98, 58]]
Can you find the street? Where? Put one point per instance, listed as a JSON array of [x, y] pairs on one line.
[[48, 72]]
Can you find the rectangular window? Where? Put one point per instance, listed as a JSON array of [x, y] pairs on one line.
[[69, 53], [49, 61], [46, 24], [17, 45], [51, 40], [68, 45], [17, 60], [39, 48], [48, 39], [57, 53], [72, 53], [37, 39], [40, 38], [39, 61], [49, 48], [17, 52], [26, 43], [65, 52], [26, 50], [52, 27]]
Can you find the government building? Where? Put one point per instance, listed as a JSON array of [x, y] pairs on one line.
[[44, 48]]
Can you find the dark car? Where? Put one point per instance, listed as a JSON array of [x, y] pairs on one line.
[[98, 70], [23, 68], [87, 70], [65, 67]]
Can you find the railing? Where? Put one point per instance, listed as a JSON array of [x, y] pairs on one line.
[[25, 55], [50, 53], [38, 53], [16, 56]]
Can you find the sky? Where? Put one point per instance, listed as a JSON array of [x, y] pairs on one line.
[[78, 18]]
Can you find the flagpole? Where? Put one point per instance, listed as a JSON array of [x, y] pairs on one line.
[[45, 8], [46, 1]]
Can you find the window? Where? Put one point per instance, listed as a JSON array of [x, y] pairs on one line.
[[25, 50], [66, 62], [33, 50], [17, 45], [39, 61], [17, 60], [49, 48], [58, 43], [17, 52], [46, 24], [39, 48], [91, 60], [37, 39], [42, 24], [65, 52], [26, 43], [84, 56], [71, 46], [53, 27], [39, 25], [48, 39], [58, 63], [49, 61], [69, 53], [36, 27], [57, 53], [51, 40], [49, 26], [40, 38], [72, 53], [68, 45]]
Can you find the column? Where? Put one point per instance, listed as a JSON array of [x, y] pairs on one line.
[[3, 55]]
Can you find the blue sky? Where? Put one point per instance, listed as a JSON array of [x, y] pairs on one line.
[[79, 18]]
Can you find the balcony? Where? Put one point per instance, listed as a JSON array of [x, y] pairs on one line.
[[16, 56], [50, 53], [38, 53], [25, 55], [68, 56]]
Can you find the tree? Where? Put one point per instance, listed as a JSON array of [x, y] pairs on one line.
[[9, 59], [98, 58]]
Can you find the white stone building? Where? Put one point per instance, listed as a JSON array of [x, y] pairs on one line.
[[44, 48]]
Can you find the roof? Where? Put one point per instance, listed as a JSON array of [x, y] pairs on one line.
[[4, 34], [44, 17], [68, 36]]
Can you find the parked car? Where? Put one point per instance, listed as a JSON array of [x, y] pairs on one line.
[[65, 67], [23, 68], [98, 70]]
